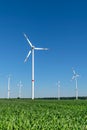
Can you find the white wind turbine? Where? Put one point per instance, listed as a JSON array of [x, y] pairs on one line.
[[75, 76], [58, 84], [20, 85], [59, 90], [32, 50], [8, 86]]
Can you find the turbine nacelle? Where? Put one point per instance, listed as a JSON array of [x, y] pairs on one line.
[[33, 47]]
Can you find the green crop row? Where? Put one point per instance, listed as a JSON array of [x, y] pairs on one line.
[[43, 115]]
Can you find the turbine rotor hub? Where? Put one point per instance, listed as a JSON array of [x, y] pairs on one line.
[[33, 47]]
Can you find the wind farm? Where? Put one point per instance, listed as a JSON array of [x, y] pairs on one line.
[[65, 47], [40, 95]]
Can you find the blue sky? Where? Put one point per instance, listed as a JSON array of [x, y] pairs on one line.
[[58, 25]]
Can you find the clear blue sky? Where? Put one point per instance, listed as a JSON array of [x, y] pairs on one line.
[[60, 25]]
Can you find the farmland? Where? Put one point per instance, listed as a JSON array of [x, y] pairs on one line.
[[24, 114]]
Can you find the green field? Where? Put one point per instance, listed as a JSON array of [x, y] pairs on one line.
[[24, 114]]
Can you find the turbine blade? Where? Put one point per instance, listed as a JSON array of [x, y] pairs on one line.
[[28, 40], [73, 71], [41, 48], [27, 56], [73, 77]]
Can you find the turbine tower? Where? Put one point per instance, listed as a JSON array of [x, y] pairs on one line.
[[20, 85], [8, 86], [32, 50], [75, 76]]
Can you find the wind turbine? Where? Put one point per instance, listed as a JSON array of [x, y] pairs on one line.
[[8, 87], [20, 85], [58, 90], [75, 76], [32, 50]]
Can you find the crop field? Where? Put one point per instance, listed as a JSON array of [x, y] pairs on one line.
[[24, 114]]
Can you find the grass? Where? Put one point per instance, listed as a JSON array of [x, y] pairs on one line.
[[18, 114]]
